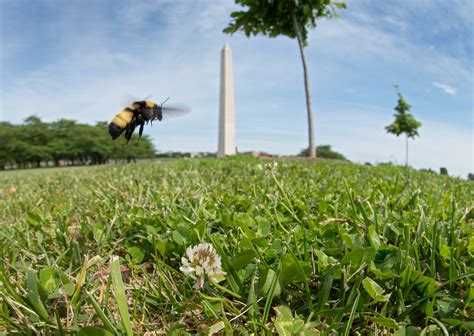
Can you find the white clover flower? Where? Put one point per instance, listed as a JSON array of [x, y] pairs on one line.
[[202, 260], [272, 166], [259, 167]]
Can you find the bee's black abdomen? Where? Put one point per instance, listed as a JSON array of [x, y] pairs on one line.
[[115, 131]]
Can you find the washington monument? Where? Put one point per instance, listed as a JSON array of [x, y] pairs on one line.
[[226, 107]]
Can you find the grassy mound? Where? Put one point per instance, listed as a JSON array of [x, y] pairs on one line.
[[307, 249]]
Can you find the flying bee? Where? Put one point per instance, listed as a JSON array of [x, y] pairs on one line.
[[137, 114]]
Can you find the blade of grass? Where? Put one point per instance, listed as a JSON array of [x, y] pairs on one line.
[[107, 324], [34, 296], [270, 294], [119, 292], [351, 317], [325, 291], [232, 277]]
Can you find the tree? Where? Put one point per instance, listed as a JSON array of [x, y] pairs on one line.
[[404, 122], [291, 18], [64, 133], [326, 152], [6, 153], [35, 143], [36, 134]]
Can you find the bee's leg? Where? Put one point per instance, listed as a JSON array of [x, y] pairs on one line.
[[140, 132], [129, 132]]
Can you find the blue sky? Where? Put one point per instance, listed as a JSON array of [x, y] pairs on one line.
[[84, 59]]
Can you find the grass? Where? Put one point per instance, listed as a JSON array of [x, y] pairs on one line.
[[308, 249]]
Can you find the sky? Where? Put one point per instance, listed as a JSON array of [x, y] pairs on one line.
[[85, 60]]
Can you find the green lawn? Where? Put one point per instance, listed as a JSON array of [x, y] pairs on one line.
[[307, 249]]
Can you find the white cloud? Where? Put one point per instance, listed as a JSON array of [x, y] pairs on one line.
[[446, 88], [361, 40], [133, 13]]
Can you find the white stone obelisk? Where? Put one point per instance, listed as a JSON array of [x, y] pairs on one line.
[[226, 107]]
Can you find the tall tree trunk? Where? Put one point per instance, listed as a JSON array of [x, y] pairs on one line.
[[309, 107], [406, 151]]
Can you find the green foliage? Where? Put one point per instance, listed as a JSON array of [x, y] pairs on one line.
[[93, 331], [175, 155], [443, 171], [275, 18], [36, 143], [404, 122], [308, 248], [374, 290], [324, 151], [287, 325]]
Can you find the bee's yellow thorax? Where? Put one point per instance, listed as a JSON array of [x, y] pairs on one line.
[[150, 104]]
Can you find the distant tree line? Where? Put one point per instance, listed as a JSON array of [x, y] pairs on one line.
[[64, 142]]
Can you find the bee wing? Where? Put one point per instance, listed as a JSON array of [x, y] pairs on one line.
[[174, 111], [128, 99]]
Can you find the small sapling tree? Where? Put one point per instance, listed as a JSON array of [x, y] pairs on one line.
[[404, 122]]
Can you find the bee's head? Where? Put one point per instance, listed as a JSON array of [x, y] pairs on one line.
[[158, 112]]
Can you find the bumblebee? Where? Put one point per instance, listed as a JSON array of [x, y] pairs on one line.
[[137, 114]]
